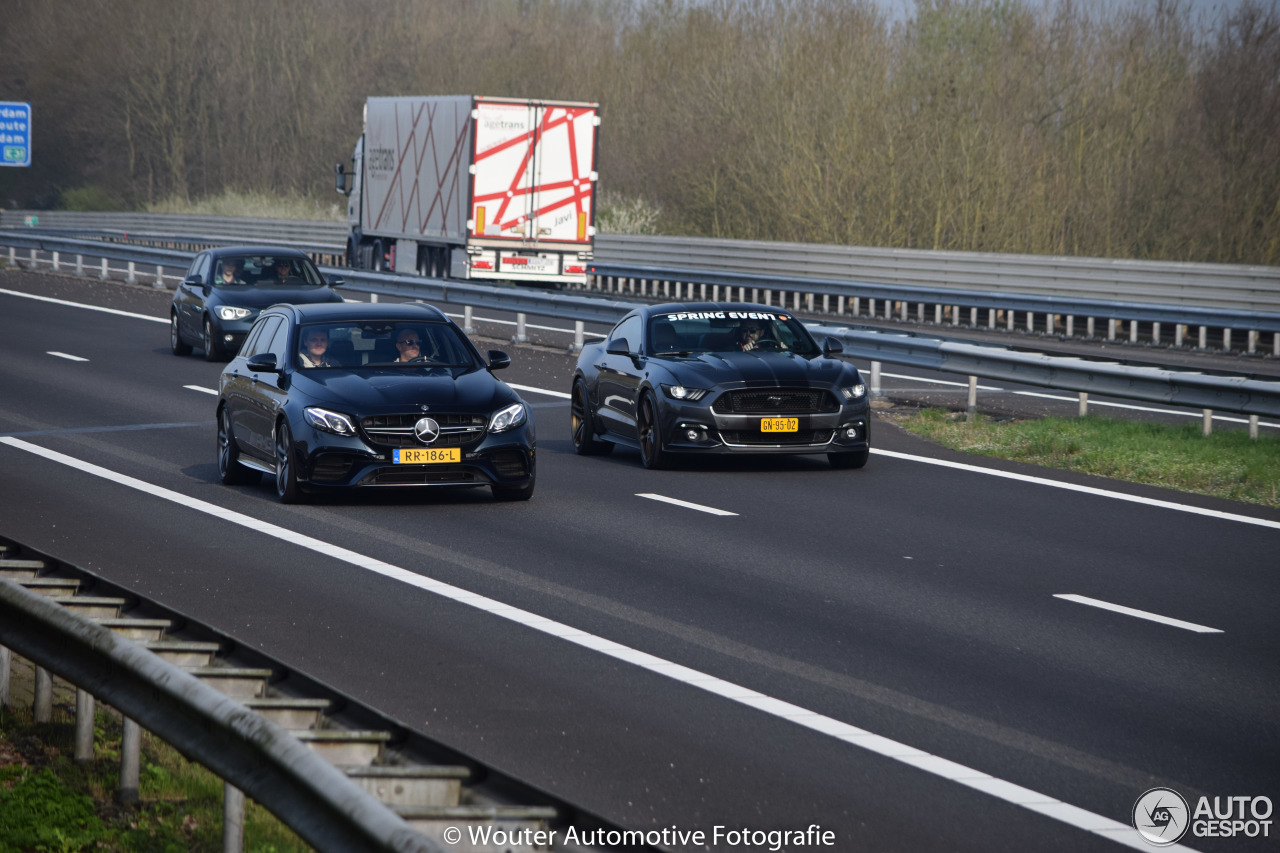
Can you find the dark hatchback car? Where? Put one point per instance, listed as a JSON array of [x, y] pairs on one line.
[[364, 394], [225, 289], [718, 378]]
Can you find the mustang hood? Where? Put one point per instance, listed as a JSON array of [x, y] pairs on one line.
[[472, 390], [752, 368]]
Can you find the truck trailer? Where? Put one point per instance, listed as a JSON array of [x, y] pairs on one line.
[[470, 187]]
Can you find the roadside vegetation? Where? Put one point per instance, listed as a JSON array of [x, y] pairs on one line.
[[1143, 130], [1226, 464], [51, 804]]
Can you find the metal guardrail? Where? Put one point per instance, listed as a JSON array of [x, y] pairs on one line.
[[1252, 397], [325, 808], [1221, 286], [1051, 292], [1184, 388]]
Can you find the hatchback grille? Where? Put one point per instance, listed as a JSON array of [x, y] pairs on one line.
[[755, 401], [456, 430]]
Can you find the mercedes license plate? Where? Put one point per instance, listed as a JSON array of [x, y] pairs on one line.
[[427, 455]]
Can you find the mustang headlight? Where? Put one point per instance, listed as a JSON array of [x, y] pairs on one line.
[[680, 392], [854, 392], [333, 422], [228, 312], [508, 417]]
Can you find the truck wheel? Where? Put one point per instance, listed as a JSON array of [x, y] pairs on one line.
[[379, 257]]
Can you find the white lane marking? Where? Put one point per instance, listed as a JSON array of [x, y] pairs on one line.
[[1088, 490], [1044, 481], [686, 504], [115, 311], [983, 782], [533, 390], [1141, 614], [201, 390], [64, 355]]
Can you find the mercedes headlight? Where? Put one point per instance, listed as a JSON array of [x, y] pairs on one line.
[[333, 422], [508, 417]]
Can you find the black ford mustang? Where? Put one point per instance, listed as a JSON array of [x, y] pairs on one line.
[[362, 394], [718, 378]]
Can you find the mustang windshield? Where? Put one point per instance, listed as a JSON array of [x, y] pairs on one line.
[[728, 331], [382, 344]]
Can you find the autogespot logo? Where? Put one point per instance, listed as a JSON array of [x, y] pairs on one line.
[[1161, 816]]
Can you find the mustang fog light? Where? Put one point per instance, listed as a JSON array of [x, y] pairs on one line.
[[508, 417], [334, 422], [851, 432]]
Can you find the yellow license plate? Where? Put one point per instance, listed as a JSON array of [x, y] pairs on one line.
[[427, 455], [779, 424]]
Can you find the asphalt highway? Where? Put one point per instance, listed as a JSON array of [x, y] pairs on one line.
[[937, 652]]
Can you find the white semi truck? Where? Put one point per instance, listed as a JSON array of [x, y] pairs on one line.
[[471, 187]]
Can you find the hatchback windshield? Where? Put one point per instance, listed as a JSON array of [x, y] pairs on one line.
[[382, 344], [263, 270]]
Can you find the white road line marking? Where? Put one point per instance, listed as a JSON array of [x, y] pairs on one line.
[[1040, 803], [1141, 614], [164, 320], [64, 355], [1088, 490], [201, 390], [686, 504], [533, 390]]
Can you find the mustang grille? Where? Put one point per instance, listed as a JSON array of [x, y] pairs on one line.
[[754, 401], [744, 438], [456, 430]]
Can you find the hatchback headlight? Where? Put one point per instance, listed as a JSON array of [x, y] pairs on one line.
[[228, 312], [334, 422], [854, 392], [508, 417]]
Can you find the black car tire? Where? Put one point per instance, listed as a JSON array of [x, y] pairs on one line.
[[652, 451], [211, 351], [856, 459], [287, 489], [230, 471], [582, 424], [175, 337]]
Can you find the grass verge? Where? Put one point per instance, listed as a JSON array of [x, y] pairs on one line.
[[49, 803], [1226, 464]]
